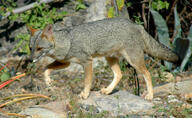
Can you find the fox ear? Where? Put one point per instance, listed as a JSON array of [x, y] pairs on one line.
[[32, 30], [48, 32]]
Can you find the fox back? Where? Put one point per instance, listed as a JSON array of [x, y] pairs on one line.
[[102, 37]]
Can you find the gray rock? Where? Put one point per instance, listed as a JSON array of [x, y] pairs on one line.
[[173, 99], [157, 101], [38, 112], [182, 87], [3, 116], [96, 11], [118, 103]]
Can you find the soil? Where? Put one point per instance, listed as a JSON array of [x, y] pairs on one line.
[[66, 85]]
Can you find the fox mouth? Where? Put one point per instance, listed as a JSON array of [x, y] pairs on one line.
[[42, 54], [39, 57]]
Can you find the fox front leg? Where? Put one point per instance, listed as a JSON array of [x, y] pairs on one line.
[[88, 80], [53, 66]]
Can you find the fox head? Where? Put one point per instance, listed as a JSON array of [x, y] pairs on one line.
[[41, 42]]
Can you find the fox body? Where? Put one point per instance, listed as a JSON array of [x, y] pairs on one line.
[[110, 38]]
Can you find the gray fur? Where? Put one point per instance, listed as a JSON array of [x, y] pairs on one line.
[[106, 37]]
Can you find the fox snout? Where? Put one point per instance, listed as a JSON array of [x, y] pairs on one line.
[[38, 53]]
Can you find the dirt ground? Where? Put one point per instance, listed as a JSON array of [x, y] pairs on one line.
[[68, 87]]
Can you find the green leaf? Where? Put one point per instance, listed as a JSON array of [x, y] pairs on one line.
[[177, 27], [188, 52], [120, 4], [111, 12], [161, 27], [80, 6], [166, 5], [5, 76], [128, 4], [63, 13], [158, 5]]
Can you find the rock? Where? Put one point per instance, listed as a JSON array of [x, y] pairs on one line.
[[169, 76], [50, 110], [118, 103], [173, 99], [34, 112], [157, 101], [3, 116], [96, 11], [182, 87]]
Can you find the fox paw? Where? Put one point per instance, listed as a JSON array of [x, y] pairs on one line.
[[105, 91], [147, 96], [84, 95]]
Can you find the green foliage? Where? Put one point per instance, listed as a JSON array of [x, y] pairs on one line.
[[39, 17], [120, 4], [128, 4], [123, 65], [138, 20], [161, 28], [23, 43], [183, 46], [159, 4], [180, 45], [175, 110], [4, 75], [187, 113], [177, 25], [188, 51], [6, 6], [111, 12], [80, 5]]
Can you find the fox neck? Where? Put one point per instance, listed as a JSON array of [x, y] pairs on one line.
[[62, 45]]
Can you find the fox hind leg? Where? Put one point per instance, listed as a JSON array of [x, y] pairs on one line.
[[114, 64], [136, 58]]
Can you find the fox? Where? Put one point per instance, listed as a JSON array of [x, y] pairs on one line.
[[110, 38]]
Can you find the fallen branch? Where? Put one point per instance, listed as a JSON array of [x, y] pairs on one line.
[[24, 8], [17, 115], [30, 96], [24, 95], [12, 114]]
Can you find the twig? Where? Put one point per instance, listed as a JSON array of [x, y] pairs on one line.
[[150, 2], [17, 115], [172, 8], [143, 15], [12, 114], [21, 99], [25, 8], [24, 95]]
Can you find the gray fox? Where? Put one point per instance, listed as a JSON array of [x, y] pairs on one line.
[[110, 38]]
